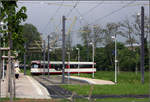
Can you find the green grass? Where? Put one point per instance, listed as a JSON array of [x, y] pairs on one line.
[[128, 83], [112, 100], [80, 100], [27, 71], [122, 77]]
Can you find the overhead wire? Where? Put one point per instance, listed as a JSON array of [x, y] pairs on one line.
[[53, 15], [90, 10], [87, 12], [72, 8], [111, 13], [51, 18], [67, 15], [82, 17]]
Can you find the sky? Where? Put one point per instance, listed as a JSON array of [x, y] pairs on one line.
[[47, 15]]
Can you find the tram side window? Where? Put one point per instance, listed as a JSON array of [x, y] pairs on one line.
[[74, 66], [56, 66], [46, 66], [35, 66], [85, 66]]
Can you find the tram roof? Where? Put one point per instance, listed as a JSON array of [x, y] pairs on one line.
[[60, 62]]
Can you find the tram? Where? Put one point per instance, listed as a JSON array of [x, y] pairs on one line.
[[55, 67]]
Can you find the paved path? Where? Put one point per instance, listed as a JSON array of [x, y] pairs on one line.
[[27, 87], [93, 81]]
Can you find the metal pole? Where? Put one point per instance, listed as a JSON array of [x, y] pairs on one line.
[[48, 57], [44, 59], [0, 63], [3, 63], [9, 66], [78, 61], [3, 71], [25, 46], [93, 60], [11, 81], [68, 66], [142, 44], [14, 81], [115, 59], [63, 49], [0, 67]]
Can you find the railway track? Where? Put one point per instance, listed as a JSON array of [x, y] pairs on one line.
[[53, 87]]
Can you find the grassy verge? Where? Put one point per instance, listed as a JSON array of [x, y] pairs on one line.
[[81, 100], [27, 71], [128, 83]]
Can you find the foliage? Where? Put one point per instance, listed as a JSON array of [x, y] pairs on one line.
[[30, 33], [13, 18]]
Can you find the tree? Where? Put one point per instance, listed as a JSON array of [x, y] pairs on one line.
[[30, 33], [13, 19], [110, 30], [92, 34], [86, 38], [128, 32], [33, 42]]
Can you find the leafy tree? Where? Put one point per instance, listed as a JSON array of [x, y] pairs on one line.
[[89, 36], [128, 32], [30, 33], [86, 38], [126, 62], [33, 42], [13, 18], [110, 30]]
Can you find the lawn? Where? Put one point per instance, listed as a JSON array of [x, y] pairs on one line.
[[27, 71], [128, 83], [81, 100]]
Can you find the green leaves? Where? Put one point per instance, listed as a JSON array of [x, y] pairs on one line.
[[13, 17]]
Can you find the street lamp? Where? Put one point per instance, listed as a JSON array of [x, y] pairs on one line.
[[78, 59], [93, 57], [114, 37]]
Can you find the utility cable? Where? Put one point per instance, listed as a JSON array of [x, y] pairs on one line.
[[111, 13]]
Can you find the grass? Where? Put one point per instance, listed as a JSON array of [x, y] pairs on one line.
[[128, 83], [122, 77], [112, 100], [80, 100], [27, 71]]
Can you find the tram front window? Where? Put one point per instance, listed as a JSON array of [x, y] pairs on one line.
[[35, 66]]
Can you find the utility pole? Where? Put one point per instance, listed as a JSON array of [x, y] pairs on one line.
[[25, 47], [63, 49], [142, 45], [116, 59], [48, 56], [0, 67], [44, 60], [68, 67], [78, 60]]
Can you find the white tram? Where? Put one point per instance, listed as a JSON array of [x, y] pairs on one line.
[[55, 67]]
